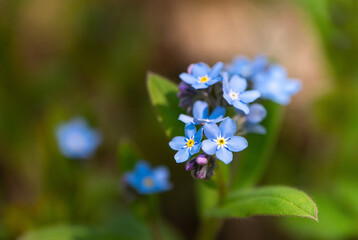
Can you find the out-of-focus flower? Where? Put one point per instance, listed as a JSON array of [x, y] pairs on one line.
[[201, 76], [188, 145], [221, 140], [235, 94], [77, 140], [146, 180], [201, 114], [254, 118], [245, 67], [273, 84]]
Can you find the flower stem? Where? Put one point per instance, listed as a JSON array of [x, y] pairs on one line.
[[155, 223], [210, 226]]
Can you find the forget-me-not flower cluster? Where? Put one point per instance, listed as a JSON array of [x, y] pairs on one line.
[[212, 130]]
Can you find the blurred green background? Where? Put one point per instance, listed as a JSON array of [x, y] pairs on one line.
[[62, 59]]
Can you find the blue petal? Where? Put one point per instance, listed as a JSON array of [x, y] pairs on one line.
[[185, 118], [161, 173], [200, 69], [226, 85], [199, 85], [277, 71], [211, 131], [142, 169], [241, 106], [238, 84], [187, 78], [182, 155], [200, 110], [198, 136], [257, 113], [255, 128], [198, 121], [249, 96], [293, 87], [218, 112], [236, 144], [190, 130], [224, 155], [227, 98], [195, 149], [228, 128], [177, 143], [216, 69], [209, 147]]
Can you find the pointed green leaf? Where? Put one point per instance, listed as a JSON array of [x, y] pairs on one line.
[[253, 160], [162, 94], [275, 201]]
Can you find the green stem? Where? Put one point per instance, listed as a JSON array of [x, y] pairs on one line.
[[155, 217], [210, 226]]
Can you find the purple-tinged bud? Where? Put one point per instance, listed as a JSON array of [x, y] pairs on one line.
[[190, 165], [190, 68], [202, 173], [202, 159]]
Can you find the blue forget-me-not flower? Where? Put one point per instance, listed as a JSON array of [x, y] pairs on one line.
[[235, 94], [245, 67], [221, 140], [273, 84], [146, 180], [201, 114], [188, 145], [77, 140], [201, 76]]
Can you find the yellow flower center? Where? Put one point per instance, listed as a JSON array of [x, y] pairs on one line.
[[221, 142], [190, 143], [204, 79], [148, 182]]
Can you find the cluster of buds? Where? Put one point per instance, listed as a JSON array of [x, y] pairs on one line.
[[201, 167]]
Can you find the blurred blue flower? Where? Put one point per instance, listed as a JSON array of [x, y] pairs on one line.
[[188, 145], [235, 94], [201, 114], [254, 118], [221, 140], [245, 67], [273, 84], [77, 140], [147, 180], [201, 76]]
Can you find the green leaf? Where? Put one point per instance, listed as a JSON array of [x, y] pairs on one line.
[[253, 160], [276, 201], [162, 94], [128, 155], [334, 222], [66, 232]]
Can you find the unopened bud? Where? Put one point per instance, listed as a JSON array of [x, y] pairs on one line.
[[202, 159], [190, 165]]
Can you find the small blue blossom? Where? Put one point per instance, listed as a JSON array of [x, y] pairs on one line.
[[235, 94], [201, 114], [188, 145], [245, 67], [146, 180], [221, 140], [77, 140], [201, 76], [273, 84], [254, 118]]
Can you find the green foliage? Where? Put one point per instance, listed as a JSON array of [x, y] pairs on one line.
[[128, 155], [162, 93], [276, 201], [253, 160], [334, 223]]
